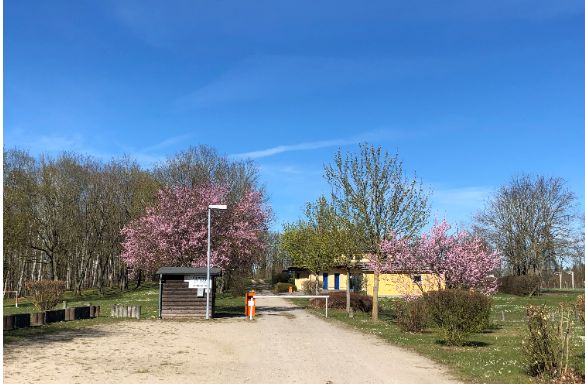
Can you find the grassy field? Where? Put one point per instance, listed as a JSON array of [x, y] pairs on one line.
[[145, 296], [494, 356]]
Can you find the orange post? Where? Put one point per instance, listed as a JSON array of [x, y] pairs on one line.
[[250, 295], [289, 290]]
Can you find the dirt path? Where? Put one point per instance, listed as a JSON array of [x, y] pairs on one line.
[[284, 345]]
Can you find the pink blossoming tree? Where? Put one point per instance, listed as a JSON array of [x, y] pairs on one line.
[[461, 260], [174, 231]]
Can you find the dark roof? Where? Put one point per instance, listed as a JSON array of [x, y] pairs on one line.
[[201, 271]]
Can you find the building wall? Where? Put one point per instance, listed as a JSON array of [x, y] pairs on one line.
[[178, 300], [302, 276], [391, 284], [400, 284]]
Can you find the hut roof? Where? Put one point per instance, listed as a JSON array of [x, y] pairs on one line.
[[201, 271]]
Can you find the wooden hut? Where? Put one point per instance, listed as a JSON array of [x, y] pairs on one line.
[[182, 292]]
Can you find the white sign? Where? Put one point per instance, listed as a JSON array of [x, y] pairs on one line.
[[196, 282]]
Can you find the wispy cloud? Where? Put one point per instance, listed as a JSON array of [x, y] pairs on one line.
[[288, 148], [313, 145], [270, 76]]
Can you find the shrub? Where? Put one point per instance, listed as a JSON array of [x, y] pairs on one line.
[[357, 301], [310, 287], [580, 308], [458, 313], [283, 287], [45, 294], [524, 285], [411, 315], [547, 344], [281, 277]]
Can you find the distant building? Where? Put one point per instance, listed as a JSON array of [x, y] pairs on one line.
[[362, 279]]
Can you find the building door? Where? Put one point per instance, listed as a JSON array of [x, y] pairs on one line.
[[325, 280], [337, 281]]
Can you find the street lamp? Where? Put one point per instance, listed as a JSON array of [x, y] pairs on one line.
[[212, 206]]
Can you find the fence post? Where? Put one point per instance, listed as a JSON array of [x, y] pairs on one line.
[[503, 316]]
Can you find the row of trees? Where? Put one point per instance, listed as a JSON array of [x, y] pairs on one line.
[[375, 210], [66, 218]]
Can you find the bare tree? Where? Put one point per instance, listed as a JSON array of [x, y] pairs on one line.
[[371, 190], [530, 221]]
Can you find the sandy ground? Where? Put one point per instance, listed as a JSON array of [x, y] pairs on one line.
[[284, 344]]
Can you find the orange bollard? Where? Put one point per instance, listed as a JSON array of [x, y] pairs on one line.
[[289, 290], [249, 295]]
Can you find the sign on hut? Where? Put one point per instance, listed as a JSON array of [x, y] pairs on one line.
[[182, 292]]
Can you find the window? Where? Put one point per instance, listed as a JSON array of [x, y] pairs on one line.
[[417, 279]]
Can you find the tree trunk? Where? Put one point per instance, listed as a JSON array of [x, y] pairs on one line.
[[139, 279], [347, 293], [375, 296]]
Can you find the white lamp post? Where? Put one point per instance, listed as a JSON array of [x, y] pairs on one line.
[[212, 206]]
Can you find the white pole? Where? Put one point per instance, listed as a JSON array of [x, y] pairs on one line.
[[561, 279], [573, 279], [208, 260]]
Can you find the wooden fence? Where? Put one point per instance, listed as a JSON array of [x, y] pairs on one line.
[[132, 311], [25, 320]]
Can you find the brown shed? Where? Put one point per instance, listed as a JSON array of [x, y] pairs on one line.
[[182, 292]]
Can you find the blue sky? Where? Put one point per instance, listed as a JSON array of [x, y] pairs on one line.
[[469, 93]]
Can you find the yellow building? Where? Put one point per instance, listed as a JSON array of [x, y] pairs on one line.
[[391, 284]]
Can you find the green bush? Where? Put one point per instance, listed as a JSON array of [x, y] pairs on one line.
[[45, 294], [524, 285], [283, 287], [411, 315], [547, 344], [458, 313]]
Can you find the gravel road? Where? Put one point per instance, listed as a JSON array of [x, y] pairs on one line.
[[285, 344]]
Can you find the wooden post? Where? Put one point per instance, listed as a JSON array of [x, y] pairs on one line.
[[138, 311], [9, 322], [97, 311], [91, 311], [503, 316], [113, 314]]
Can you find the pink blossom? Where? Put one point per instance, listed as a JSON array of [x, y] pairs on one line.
[[462, 260], [174, 231]]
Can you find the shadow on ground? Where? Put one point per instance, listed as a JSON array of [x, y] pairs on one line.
[[45, 335]]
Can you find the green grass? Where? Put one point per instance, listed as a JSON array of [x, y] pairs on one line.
[[145, 296], [495, 356]]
